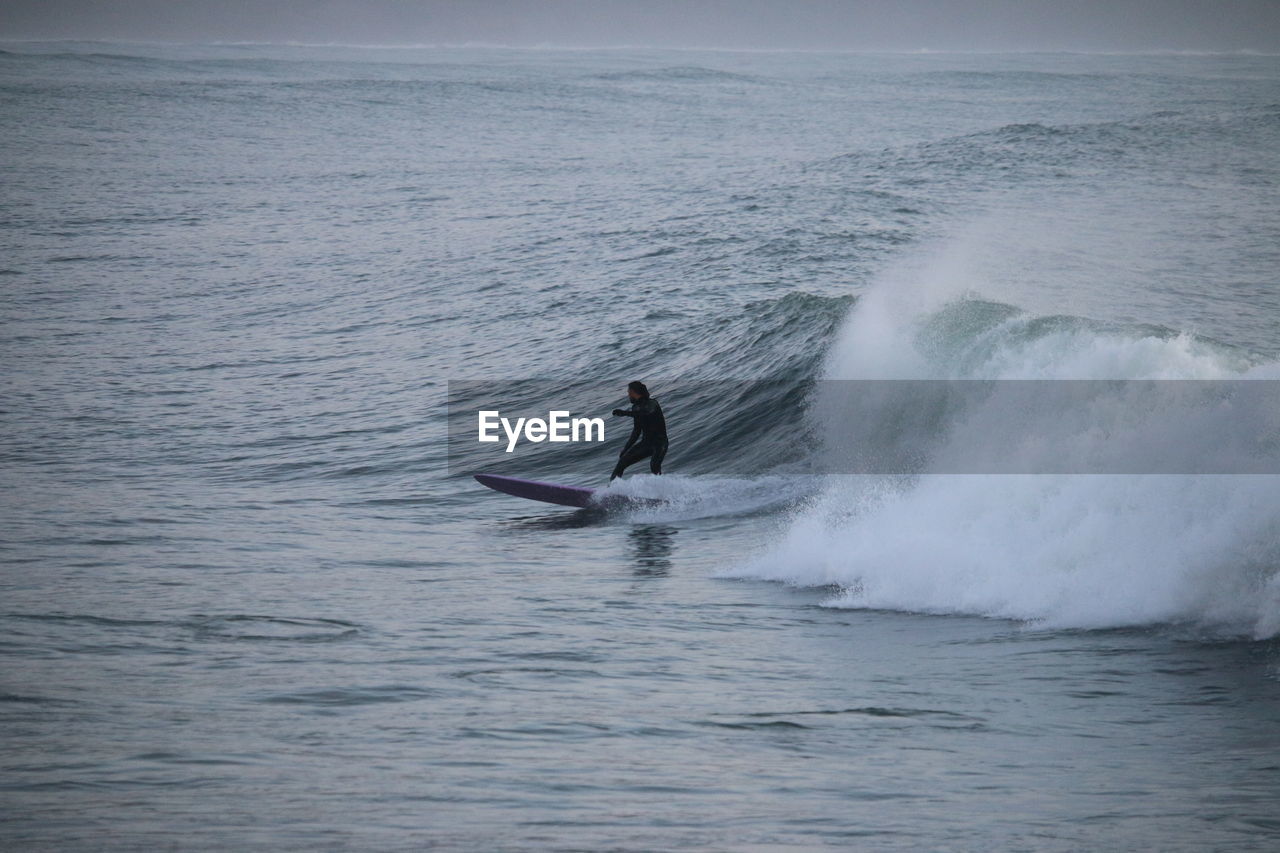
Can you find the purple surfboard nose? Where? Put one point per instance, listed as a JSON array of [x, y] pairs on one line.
[[534, 490]]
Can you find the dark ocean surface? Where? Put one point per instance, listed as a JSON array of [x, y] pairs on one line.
[[250, 602]]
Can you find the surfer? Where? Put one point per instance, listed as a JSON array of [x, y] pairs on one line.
[[648, 435]]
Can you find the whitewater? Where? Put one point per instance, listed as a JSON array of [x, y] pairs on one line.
[[252, 596]]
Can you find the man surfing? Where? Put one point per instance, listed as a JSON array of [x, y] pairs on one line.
[[648, 435]]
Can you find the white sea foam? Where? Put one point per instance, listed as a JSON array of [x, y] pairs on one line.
[[679, 497]]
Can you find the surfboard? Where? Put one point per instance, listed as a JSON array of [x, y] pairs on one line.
[[551, 493], [554, 493]]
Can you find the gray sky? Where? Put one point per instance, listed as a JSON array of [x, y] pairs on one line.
[[1104, 25]]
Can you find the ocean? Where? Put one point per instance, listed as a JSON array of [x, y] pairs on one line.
[[252, 600]]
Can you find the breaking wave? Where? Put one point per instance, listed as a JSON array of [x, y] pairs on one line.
[[1058, 551]]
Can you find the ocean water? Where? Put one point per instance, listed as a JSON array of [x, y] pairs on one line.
[[250, 602]]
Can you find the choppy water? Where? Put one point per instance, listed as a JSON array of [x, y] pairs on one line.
[[247, 604]]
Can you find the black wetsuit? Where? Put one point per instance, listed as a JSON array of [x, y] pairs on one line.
[[648, 436]]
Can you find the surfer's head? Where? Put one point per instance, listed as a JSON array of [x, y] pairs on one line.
[[637, 391]]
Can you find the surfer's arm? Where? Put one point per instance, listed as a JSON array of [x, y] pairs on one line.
[[635, 434]]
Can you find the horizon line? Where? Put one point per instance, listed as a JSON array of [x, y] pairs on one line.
[[544, 46]]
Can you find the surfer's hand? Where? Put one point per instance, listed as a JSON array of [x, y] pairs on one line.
[[619, 413]]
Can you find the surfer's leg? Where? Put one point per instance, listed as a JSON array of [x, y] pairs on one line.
[[632, 456], [655, 461]]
